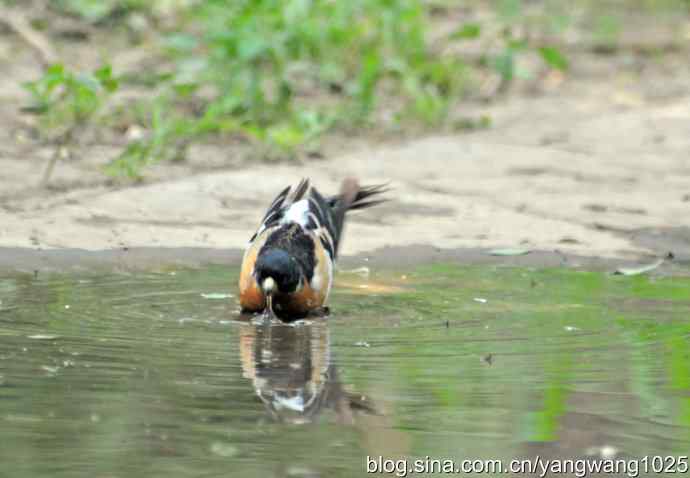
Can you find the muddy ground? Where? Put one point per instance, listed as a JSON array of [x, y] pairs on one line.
[[595, 163]]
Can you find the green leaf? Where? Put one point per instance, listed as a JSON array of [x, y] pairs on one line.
[[296, 11], [367, 80], [287, 136], [517, 44], [54, 74], [509, 9], [504, 64], [90, 10], [467, 31], [105, 76], [251, 47], [84, 82], [181, 42], [554, 58]]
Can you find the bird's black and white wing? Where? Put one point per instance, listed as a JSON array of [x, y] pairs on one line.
[[280, 205]]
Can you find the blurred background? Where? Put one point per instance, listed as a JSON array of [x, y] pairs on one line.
[[534, 122], [540, 122]]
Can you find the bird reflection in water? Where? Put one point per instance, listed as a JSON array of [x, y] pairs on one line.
[[292, 373]]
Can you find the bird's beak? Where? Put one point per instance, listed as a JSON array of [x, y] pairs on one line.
[[269, 287]]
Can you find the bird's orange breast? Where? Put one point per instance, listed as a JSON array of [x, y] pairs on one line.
[[251, 297], [299, 303], [311, 296]]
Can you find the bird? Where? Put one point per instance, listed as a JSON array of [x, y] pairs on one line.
[[294, 375], [287, 267]]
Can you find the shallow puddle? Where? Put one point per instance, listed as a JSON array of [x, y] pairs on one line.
[[154, 374]]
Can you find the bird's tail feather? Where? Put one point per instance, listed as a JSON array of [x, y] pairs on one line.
[[349, 192], [365, 196], [352, 196]]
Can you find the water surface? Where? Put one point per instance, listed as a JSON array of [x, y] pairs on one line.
[[155, 374]]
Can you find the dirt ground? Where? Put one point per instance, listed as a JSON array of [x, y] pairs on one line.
[[595, 164]]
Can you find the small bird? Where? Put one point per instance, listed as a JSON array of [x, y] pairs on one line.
[[288, 264]]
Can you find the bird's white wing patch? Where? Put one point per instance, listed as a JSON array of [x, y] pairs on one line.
[[297, 212]]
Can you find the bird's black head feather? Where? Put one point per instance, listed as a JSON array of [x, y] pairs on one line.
[[281, 267], [288, 251]]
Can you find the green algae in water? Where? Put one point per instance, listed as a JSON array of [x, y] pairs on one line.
[[143, 376]]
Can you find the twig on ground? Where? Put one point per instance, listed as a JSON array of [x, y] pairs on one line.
[[39, 43], [60, 152]]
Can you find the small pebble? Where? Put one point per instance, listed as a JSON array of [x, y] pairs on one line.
[[225, 450], [216, 295], [608, 452]]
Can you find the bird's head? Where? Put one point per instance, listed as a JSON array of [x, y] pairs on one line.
[[277, 271]]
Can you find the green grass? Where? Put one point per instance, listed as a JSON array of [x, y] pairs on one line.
[[66, 99], [282, 74]]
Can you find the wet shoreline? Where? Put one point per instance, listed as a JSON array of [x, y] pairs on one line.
[[399, 257]]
